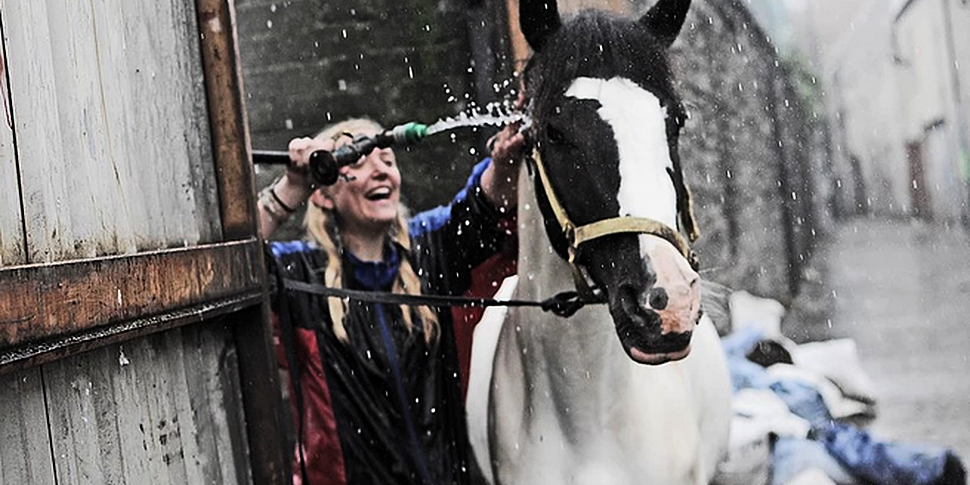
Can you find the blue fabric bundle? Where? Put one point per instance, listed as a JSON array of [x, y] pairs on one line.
[[847, 454]]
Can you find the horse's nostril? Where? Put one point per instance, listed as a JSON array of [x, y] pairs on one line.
[[658, 298], [628, 299]]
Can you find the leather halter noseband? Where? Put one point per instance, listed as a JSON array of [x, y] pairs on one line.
[[577, 235]]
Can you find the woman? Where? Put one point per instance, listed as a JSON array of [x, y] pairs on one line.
[[381, 402]]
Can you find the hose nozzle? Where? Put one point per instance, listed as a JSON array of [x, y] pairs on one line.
[[325, 166]]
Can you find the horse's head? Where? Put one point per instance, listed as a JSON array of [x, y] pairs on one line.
[[606, 122]]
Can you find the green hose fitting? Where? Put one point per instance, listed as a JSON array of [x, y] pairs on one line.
[[408, 133]]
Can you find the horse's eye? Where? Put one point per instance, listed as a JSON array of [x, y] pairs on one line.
[[555, 136]]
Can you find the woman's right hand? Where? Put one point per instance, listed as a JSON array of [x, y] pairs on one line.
[[298, 171], [293, 189]]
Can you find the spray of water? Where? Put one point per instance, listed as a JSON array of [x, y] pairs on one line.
[[498, 113]]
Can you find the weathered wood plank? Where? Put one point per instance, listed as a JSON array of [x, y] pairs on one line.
[[221, 431], [25, 457], [74, 391], [45, 301], [30, 66], [129, 393], [130, 413], [109, 110], [227, 116], [269, 459], [11, 216], [77, 94]]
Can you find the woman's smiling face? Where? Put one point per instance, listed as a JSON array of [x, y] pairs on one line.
[[367, 195]]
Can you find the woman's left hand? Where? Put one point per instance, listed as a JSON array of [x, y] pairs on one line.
[[500, 181], [505, 147]]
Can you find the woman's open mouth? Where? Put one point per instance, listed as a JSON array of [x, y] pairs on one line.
[[380, 193]]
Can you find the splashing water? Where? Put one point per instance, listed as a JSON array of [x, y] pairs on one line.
[[498, 113]]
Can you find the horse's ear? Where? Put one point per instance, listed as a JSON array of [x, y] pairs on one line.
[[538, 19], [665, 19]]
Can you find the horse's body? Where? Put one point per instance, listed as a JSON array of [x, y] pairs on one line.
[[570, 403]]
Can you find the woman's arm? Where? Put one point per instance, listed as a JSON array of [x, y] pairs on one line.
[[278, 201], [469, 230]]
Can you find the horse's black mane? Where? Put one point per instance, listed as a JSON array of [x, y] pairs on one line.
[[599, 45]]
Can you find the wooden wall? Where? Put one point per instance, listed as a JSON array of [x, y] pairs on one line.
[[161, 409], [112, 152], [134, 341]]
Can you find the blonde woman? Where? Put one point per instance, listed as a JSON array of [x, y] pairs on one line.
[[379, 383]]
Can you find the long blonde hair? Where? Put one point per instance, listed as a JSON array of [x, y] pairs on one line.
[[321, 228]]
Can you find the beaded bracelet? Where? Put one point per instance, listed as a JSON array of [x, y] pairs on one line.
[[268, 201], [272, 192]]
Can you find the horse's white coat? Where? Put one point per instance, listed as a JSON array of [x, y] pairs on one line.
[[566, 404]]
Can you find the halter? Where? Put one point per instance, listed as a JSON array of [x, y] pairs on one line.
[[577, 235]]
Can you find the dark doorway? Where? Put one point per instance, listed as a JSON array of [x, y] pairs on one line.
[[919, 197]]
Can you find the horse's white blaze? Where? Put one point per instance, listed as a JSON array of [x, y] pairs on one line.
[[639, 126]]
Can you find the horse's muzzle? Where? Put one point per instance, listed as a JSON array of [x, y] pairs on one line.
[[655, 321], [643, 340]]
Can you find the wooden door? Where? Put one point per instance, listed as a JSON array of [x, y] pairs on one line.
[[134, 343]]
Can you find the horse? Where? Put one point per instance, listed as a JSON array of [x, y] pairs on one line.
[[635, 390]]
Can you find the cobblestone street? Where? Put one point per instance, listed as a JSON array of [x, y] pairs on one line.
[[902, 291]]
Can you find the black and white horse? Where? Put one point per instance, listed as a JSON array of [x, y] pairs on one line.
[[569, 402]]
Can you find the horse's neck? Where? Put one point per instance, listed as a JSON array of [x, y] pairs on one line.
[[542, 272], [583, 347]]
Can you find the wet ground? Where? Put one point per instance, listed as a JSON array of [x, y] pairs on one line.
[[902, 291]]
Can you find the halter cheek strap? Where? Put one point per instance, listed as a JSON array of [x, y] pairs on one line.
[[577, 235]]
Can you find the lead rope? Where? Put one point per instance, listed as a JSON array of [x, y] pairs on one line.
[[563, 304]]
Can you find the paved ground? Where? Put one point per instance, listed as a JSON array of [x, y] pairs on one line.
[[902, 291]]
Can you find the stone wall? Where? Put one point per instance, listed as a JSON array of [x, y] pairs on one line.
[[750, 151], [309, 63]]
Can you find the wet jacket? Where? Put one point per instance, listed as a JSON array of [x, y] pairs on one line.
[[387, 408]]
